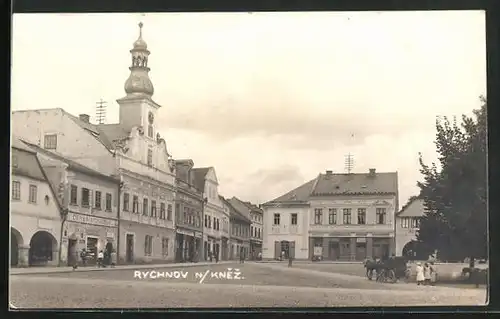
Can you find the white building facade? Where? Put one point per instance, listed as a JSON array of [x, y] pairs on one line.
[[35, 215], [407, 225]]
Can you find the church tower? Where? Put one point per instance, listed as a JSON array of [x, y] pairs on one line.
[[137, 108]]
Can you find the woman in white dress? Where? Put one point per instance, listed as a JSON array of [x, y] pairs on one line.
[[420, 274]]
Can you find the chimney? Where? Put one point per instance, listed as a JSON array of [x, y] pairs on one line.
[[84, 118], [372, 172], [329, 172]]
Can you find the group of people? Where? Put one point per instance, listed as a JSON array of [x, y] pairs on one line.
[[426, 274], [103, 259]]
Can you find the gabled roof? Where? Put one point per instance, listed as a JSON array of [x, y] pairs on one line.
[[199, 177], [251, 207], [71, 164], [240, 207], [414, 208], [353, 184], [28, 165], [233, 212], [298, 195]]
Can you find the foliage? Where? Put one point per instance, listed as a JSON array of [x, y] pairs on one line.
[[455, 221]]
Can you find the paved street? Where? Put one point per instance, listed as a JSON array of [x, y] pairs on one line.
[[262, 285]]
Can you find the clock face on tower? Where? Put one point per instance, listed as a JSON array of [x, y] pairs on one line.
[[151, 117]]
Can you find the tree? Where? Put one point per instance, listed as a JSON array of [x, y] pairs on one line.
[[455, 220]]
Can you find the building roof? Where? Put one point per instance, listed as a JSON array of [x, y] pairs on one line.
[[354, 184], [414, 208], [341, 184], [240, 207], [71, 164], [199, 177], [233, 212], [29, 165]]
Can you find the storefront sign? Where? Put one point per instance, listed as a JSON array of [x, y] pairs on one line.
[[361, 240], [110, 235], [92, 220]]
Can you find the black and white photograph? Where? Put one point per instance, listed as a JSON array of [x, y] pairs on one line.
[[248, 160]]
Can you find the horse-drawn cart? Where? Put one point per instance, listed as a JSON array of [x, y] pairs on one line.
[[389, 270]]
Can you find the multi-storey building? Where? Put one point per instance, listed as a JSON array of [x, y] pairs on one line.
[[225, 231], [35, 214], [256, 216], [89, 200], [407, 225], [189, 210], [239, 223], [132, 149], [213, 211], [348, 217]]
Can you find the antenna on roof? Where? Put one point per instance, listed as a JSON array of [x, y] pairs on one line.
[[349, 163], [100, 112]]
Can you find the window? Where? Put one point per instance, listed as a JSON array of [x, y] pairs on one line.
[[153, 208], [404, 222], [414, 222], [135, 204], [108, 202], [381, 212], [150, 131], [347, 216], [332, 216], [169, 212], [32, 194], [276, 219], [74, 195], [50, 141], [150, 157], [206, 221], [14, 161], [145, 205], [97, 201], [251, 230], [148, 245], [85, 197], [164, 246], [162, 210], [126, 201], [215, 223], [259, 234], [16, 190], [361, 216], [294, 219], [318, 216]]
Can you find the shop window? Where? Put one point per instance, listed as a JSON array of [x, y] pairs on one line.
[[108, 202], [98, 200], [126, 201]]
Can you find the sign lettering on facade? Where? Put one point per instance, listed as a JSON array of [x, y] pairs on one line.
[[93, 220]]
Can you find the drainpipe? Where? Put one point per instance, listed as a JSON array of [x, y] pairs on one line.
[[64, 215], [118, 216]]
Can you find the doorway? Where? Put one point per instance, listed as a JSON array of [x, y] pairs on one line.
[[333, 250], [92, 250], [129, 250], [285, 247], [360, 251], [345, 250], [72, 252], [14, 250]]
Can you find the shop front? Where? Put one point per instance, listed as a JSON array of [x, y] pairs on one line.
[[92, 233], [188, 245]]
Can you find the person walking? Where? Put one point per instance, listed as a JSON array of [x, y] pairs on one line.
[[290, 259], [433, 273], [113, 258], [83, 256], [216, 256], [242, 256], [420, 274], [427, 274], [100, 257]]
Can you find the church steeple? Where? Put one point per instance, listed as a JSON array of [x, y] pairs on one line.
[[139, 83]]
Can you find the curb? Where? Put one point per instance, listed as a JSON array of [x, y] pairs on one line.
[[125, 267]]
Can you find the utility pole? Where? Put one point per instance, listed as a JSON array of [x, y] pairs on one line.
[[100, 113]]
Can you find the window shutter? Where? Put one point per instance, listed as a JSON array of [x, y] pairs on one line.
[[91, 200]]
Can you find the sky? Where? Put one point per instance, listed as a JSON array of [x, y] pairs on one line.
[[269, 99]]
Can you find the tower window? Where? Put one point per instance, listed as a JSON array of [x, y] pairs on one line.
[[150, 157], [150, 131]]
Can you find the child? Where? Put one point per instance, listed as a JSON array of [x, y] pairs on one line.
[[113, 258], [420, 274], [427, 274]]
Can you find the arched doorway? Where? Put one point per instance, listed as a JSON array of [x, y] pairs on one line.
[[413, 251], [16, 241], [285, 247], [42, 247]]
